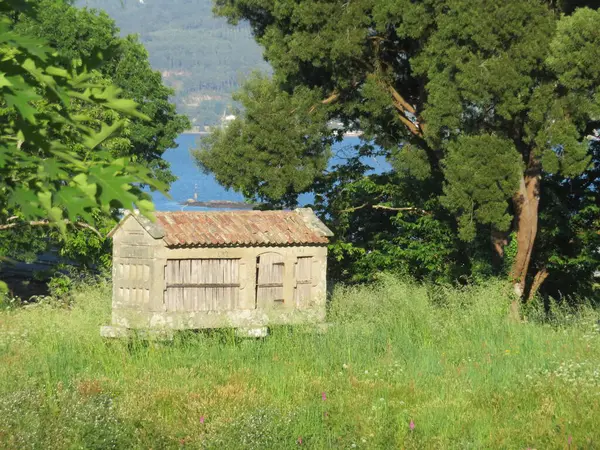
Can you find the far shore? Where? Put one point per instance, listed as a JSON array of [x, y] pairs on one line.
[[200, 133], [204, 133]]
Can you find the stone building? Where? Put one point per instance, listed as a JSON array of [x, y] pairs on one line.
[[242, 269]]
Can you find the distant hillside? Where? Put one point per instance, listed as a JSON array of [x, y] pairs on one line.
[[201, 56]]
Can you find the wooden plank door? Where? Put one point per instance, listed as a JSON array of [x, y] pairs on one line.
[[304, 282], [269, 280]]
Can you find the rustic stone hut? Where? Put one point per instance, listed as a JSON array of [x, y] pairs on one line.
[[243, 269]]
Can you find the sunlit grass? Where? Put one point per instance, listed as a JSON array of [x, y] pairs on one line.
[[449, 360]]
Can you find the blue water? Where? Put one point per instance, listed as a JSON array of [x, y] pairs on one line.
[[191, 179]]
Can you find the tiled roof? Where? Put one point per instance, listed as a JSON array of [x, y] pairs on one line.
[[235, 228]]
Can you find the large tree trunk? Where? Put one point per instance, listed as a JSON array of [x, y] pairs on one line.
[[526, 204]]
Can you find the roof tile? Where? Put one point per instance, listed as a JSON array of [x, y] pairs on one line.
[[238, 228]]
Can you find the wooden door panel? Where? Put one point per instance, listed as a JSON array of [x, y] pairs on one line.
[[269, 280], [304, 282]]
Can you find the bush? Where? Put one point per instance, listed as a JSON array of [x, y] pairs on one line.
[[60, 287], [7, 301]]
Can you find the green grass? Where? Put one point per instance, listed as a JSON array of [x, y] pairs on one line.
[[449, 360]]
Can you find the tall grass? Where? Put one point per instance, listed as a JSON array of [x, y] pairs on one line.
[[449, 361]]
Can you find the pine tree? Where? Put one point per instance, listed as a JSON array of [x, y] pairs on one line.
[[487, 103]]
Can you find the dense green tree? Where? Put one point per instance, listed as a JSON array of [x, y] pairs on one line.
[[568, 244], [481, 107], [78, 34], [293, 146], [77, 143], [55, 120]]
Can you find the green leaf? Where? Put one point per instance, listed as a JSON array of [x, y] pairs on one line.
[[145, 206], [25, 201], [21, 103], [4, 81], [89, 189], [106, 132], [77, 203]]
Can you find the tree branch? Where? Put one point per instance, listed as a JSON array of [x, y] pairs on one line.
[[387, 208], [399, 104], [499, 241], [356, 208], [413, 128], [406, 208], [332, 98], [38, 223], [405, 105]]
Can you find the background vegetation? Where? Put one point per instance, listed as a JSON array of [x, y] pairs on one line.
[[199, 55], [490, 176]]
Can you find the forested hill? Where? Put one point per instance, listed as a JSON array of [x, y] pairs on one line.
[[200, 56]]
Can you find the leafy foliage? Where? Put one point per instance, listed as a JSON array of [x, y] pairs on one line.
[[79, 34], [481, 195], [569, 241], [269, 159], [43, 176], [72, 149], [108, 148]]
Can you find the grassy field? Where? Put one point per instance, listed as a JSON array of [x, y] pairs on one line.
[[403, 366]]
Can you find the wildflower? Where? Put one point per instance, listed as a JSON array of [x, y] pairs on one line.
[[201, 419], [345, 366], [411, 425], [570, 440], [299, 440], [323, 396]]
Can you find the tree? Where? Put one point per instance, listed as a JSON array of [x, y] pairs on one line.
[[568, 244], [292, 147], [478, 105], [78, 36], [56, 119]]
